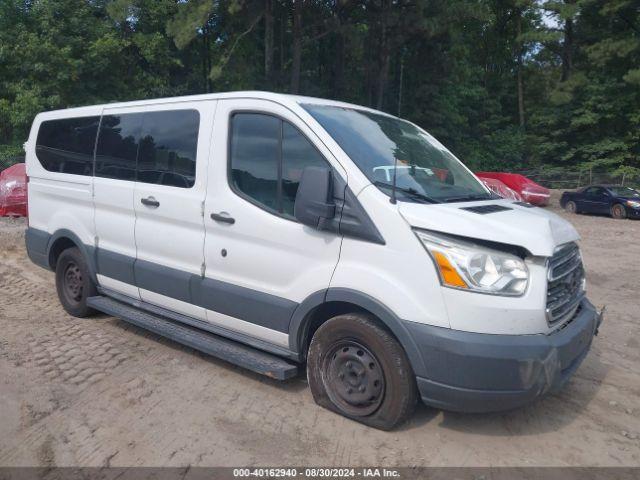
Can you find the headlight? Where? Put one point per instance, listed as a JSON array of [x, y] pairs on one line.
[[633, 203], [463, 265]]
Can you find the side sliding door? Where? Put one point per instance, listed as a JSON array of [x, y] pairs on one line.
[[168, 201], [113, 187]]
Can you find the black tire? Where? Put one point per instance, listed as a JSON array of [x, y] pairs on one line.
[[73, 283], [359, 370], [571, 207], [618, 212]]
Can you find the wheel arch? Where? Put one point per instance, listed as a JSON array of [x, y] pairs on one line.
[[618, 203], [564, 199], [324, 305], [63, 239]]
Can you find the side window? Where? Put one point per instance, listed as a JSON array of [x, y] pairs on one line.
[[168, 145], [268, 156], [118, 146], [255, 155], [297, 153], [66, 145]]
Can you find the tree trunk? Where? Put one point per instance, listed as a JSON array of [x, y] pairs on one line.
[[338, 73], [368, 67], [296, 48], [384, 57], [520, 79], [205, 72], [268, 39], [338, 70], [567, 50], [207, 57], [400, 81], [383, 75]]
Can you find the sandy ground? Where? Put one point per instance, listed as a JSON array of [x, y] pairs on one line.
[[99, 392]]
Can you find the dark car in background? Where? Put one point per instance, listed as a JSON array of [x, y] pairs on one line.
[[615, 200]]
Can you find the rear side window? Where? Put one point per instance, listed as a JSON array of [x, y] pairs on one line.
[[268, 156], [152, 147], [168, 147], [66, 145], [118, 146]]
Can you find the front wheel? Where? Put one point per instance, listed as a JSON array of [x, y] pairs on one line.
[[571, 207], [618, 212], [359, 370], [73, 283]]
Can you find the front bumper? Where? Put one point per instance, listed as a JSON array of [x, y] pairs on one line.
[[632, 212], [474, 372]]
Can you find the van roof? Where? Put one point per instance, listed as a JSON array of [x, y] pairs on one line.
[[282, 98]]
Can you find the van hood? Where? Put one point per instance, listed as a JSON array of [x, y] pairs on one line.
[[535, 229]]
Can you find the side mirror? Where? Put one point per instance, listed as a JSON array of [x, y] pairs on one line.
[[314, 201]]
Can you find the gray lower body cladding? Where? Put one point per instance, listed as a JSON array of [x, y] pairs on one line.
[[249, 305], [37, 243], [472, 372], [455, 370]]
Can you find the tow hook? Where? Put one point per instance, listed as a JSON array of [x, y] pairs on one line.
[[600, 318]]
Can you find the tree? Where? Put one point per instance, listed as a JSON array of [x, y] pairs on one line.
[[506, 84]]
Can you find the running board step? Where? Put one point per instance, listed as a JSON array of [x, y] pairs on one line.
[[214, 345]]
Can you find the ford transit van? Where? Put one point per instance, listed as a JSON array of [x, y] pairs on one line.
[[278, 232]]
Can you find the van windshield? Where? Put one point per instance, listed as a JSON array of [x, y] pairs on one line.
[[381, 145]]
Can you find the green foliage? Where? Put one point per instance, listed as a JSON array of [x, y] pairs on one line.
[[453, 67], [9, 155]]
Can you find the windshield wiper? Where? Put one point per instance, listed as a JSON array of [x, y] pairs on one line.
[[412, 192]]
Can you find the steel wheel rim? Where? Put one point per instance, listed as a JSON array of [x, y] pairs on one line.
[[73, 283], [353, 378], [571, 207]]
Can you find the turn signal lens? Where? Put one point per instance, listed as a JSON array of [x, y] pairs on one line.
[[448, 272]]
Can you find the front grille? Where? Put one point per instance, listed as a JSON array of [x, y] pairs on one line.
[[565, 287]]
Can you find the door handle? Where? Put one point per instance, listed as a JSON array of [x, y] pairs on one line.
[[150, 202], [223, 218]]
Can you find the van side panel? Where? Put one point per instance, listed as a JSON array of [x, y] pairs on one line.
[[170, 235], [399, 274], [59, 201], [267, 261]]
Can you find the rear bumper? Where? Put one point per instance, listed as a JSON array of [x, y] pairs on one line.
[[37, 243], [472, 372], [536, 198]]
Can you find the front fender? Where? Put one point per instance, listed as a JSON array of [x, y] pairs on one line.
[[301, 319]]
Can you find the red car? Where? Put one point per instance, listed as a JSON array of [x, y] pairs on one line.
[[529, 190], [13, 191], [499, 188]]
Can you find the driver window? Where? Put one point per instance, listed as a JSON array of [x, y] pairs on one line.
[[268, 156]]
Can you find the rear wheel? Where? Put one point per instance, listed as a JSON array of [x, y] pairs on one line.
[[618, 212], [359, 370], [571, 207], [73, 283]]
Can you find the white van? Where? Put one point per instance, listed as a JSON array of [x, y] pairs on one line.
[[267, 230]]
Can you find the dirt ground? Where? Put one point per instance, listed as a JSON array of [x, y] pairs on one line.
[[99, 392]]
